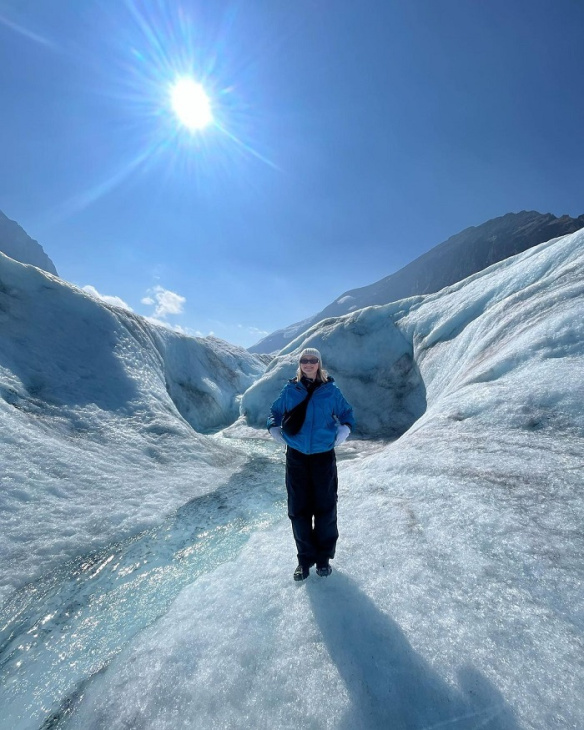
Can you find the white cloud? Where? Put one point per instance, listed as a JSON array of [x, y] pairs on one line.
[[116, 301], [166, 301]]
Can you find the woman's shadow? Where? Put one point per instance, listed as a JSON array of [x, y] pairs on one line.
[[390, 685]]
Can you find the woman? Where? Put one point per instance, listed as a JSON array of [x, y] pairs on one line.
[[311, 467]]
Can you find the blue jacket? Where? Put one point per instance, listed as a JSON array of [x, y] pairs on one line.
[[326, 409]]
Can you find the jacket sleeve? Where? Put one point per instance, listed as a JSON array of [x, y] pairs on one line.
[[344, 411], [277, 410]]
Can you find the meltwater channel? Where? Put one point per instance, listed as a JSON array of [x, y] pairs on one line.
[[59, 632]]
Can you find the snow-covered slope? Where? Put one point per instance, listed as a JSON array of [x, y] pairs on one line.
[[462, 255], [17, 244], [97, 411]]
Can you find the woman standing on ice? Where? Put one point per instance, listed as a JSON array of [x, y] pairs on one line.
[[311, 417]]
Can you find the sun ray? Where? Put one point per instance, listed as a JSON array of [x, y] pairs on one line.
[[250, 150], [27, 33], [86, 198]]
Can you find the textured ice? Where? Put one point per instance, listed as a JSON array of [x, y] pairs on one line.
[[97, 411], [456, 599]]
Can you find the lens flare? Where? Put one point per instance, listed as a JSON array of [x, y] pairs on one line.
[[191, 104], [188, 105]]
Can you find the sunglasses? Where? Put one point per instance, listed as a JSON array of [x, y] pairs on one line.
[[309, 361]]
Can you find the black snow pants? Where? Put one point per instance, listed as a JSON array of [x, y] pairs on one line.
[[311, 482]]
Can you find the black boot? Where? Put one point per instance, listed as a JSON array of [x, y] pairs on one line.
[[323, 569], [302, 572]]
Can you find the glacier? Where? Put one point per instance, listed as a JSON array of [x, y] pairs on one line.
[[456, 598], [104, 419]]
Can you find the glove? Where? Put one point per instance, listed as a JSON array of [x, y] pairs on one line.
[[342, 434], [276, 434]]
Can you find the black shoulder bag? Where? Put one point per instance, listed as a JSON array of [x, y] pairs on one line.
[[293, 420]]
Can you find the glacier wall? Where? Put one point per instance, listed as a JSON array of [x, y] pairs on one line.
[[101, 420], [371, 361]]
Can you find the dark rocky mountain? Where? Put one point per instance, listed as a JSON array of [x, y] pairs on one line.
[[460, 256], [17, 244]]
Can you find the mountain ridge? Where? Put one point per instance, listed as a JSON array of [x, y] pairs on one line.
[[463, 254], [16, 243]]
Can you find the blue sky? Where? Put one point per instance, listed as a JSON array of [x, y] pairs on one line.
[[350, 138]]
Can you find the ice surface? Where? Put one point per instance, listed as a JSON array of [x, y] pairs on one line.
[[456, 599], [451, 605], [59, 631]]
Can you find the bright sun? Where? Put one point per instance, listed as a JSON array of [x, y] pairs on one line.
[[191, 104]]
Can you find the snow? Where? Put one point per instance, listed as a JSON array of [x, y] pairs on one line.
[[97, 409], [456, 598]]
